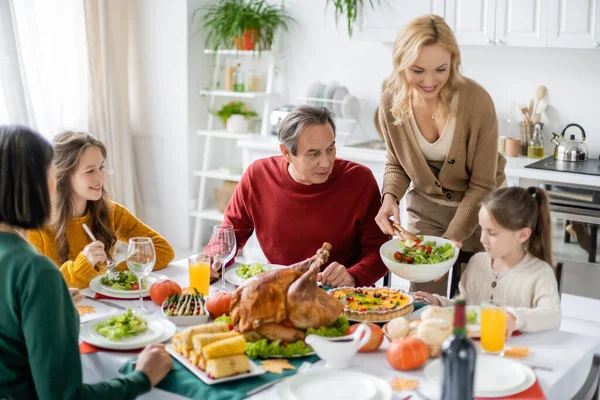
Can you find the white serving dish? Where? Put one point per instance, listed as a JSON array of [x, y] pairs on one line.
[[416, 272], [189, 320], [254, 369]]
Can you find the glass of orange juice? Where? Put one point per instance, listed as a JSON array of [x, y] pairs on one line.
[[199, 268], [493, 326]]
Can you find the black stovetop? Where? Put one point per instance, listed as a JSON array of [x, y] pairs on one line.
[[590, 167]]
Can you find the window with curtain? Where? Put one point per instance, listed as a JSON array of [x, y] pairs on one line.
[[44, 74]]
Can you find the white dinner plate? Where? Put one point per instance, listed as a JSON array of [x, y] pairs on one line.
[[494, 376], [232, 277], [159, 330], [254, 369], [339, 94], [98, 287], [347, 384]]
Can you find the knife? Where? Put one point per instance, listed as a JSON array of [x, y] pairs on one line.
[[107, 303]]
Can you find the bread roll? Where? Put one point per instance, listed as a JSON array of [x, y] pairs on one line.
[[434, 331], [439, 313], [398, 327]]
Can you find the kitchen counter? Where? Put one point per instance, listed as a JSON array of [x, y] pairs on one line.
[[375, 159]]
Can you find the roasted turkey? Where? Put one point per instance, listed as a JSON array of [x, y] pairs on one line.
[[282, 304]]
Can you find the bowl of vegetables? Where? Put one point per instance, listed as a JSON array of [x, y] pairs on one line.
[[185, 309], [421, 260]]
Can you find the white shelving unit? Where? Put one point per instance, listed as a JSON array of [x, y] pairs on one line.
[[211, 135]]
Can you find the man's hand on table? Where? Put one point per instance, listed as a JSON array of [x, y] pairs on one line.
[[335, 275]]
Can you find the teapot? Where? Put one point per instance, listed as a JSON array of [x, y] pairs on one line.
[[337, 351], [570, 149]]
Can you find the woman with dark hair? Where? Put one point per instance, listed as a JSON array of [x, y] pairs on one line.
[[39, 356], [82, 199]]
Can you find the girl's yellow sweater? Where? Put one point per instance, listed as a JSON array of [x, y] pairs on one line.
[[78, 271]]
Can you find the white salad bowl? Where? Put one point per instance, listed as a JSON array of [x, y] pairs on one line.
[[416, 272]]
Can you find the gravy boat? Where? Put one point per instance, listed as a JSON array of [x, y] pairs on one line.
[[337, 351]]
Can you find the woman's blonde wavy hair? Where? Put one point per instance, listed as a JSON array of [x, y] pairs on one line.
[[422, 31]]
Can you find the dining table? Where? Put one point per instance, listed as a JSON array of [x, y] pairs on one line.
[[561, 360]]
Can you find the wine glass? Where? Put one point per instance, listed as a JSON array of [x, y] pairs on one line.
[[223, 247], [140, 260]]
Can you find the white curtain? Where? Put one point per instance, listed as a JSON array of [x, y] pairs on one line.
[[45, 78], [107, 28]]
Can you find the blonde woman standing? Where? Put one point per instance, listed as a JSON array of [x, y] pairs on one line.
[[441, 134]]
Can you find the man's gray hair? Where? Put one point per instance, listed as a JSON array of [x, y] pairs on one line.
[[298, 120]]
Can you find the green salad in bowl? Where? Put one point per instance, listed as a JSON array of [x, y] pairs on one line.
[[423, 252]]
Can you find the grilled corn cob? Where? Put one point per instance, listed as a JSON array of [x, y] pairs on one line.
[[199, 341], [226, 347], [195, 357], [185, 341], [227, 366], [202, 363]]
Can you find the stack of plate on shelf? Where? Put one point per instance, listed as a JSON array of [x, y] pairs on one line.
[[344, 105]]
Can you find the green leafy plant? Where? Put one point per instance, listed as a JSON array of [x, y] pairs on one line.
[[229, 20], [350, 9], [234, 107]]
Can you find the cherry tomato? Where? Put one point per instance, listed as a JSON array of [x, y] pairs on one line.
[[135, 286], [398, 256], [418, 242], [428, 250], [408, 260]]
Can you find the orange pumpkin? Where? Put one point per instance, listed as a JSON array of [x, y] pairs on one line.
[[218, 304], [159, 291], [408, 353]]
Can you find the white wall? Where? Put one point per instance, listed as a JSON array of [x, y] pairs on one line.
[[316, 50], [159, 113]]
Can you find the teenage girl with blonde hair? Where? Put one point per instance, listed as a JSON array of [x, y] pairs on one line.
[[515, 268], [81, 198], [441, 134]]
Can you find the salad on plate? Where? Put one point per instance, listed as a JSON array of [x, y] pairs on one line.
[[420, 252], [246, 271], [122, 326], [123, 280]]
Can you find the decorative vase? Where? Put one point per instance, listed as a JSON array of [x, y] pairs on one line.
[[237, 124]]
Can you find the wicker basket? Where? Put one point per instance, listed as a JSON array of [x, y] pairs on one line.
[[223, 194]]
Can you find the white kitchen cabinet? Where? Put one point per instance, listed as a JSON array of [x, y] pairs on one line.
[[473, 21], [574, 24], [499, 22], [521, 23], [385, 21]]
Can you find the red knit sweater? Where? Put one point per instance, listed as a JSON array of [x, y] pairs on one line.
[[293, 220]]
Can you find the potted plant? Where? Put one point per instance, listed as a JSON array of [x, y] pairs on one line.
[[350, 9], [245, 24], [235, 116]]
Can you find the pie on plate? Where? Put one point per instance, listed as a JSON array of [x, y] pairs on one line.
[[373, 304]]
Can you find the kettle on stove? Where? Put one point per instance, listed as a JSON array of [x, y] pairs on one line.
[[570, 149]]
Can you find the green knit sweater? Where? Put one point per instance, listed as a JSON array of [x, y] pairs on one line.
[[39, 329]]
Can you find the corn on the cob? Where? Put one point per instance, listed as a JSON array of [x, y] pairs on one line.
[[227, 366], [187, 334], [202, 363], [201, 340], [186, 353], [195, 357], [226, 347], [176, 340]]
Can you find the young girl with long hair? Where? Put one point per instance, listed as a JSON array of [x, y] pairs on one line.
[[39, 328], [82, 199], [516, 266]]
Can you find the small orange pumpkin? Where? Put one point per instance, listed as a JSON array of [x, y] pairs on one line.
[[218, 304], [408, 353], [159, 291]]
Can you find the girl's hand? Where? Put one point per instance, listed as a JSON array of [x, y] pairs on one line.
[[388, 209], [76, 295], [94, 252], [511, 324], [427, 296]]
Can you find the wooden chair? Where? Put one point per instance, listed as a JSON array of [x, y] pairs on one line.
[[591, 387], [558, 271]]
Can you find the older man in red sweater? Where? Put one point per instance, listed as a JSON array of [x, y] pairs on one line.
[[305, 197]]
